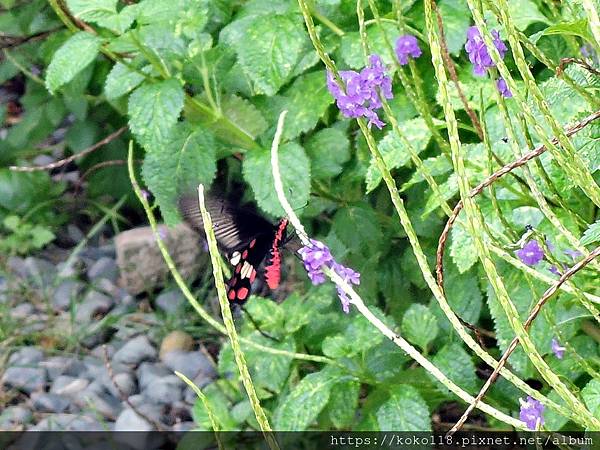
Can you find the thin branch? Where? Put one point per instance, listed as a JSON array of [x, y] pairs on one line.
[[439, 269], [566, 61], [111, 137], [513, 345], [452, 72]]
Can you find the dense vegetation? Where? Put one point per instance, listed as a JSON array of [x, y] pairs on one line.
[[375, 153]]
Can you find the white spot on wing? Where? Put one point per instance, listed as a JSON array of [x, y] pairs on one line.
[[246, 270], [235, 258]]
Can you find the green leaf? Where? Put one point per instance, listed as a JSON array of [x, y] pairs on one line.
[[591, 396], [269, 49], [457, 18], [592, 234], [405, 410], [419, 325], [342, 403], [305, 110], [120, 81], [351, 47], [186, 159], [394, 152], [577, 28], [303, 404], [220, 407], [21, 191], [268, 372], [295, 174], [154, 110], [438, 165], [244, 114], [41, 236], [71, 58], [103, 13], [457, 365], [329, 150]]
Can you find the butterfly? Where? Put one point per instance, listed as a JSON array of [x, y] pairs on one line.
[[245, 236]]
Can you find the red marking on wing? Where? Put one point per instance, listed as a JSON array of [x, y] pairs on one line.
[[242, 293], [252, 276], [231, 294], [245, 254], [252, 243], [273, 268]]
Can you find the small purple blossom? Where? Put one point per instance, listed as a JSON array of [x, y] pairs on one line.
[[317, 255], [558, 351], [574, 254], [531, 253], [554, 270], [362, 91], [145, 194], [407, 45], [503, 88], [588, 51], [532, 413], [478, 52]]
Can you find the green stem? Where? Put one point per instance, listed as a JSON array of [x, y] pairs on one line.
[[578, 411]]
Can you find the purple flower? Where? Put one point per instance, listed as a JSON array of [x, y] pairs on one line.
[[478, 52], [557, 349], [574, 254], [145, 194], [317, 255], [554, 270], [350, 277], [532, 413], [360, 96], [162, 232], [503, 88], [587, 51], [407, 45], [531, 253]]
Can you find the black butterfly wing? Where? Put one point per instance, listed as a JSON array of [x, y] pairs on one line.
[[234, 226], [246, 261]]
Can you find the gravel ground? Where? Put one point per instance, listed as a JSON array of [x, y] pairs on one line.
[[117, 373]]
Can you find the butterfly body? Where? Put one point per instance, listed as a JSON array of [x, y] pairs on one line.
[[245, 237]]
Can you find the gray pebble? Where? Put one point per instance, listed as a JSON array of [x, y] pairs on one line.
[[75, 234], [17, 266], [22, 311], [128, 420], [68, 422], [148, 372], [26, 356], [165, 390], [27, 379], [126, 383], [62, 365], [170, 301], [3, 290], [39, 271], [105, 267], [135, 351], [94, 303], [14, 416], [102, 403], [50, 403], [66, 385], [65, 293], [191, 364]]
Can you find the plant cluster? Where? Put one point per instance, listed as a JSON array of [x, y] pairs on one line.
[[490, 106]]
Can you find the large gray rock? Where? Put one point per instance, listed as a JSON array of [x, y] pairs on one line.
[[129, 420], [62, 365], [141, 265], [26, 379], [135, 351], [65, 293], [103, 403], [41, 272], [94, 304], [122, 384]]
